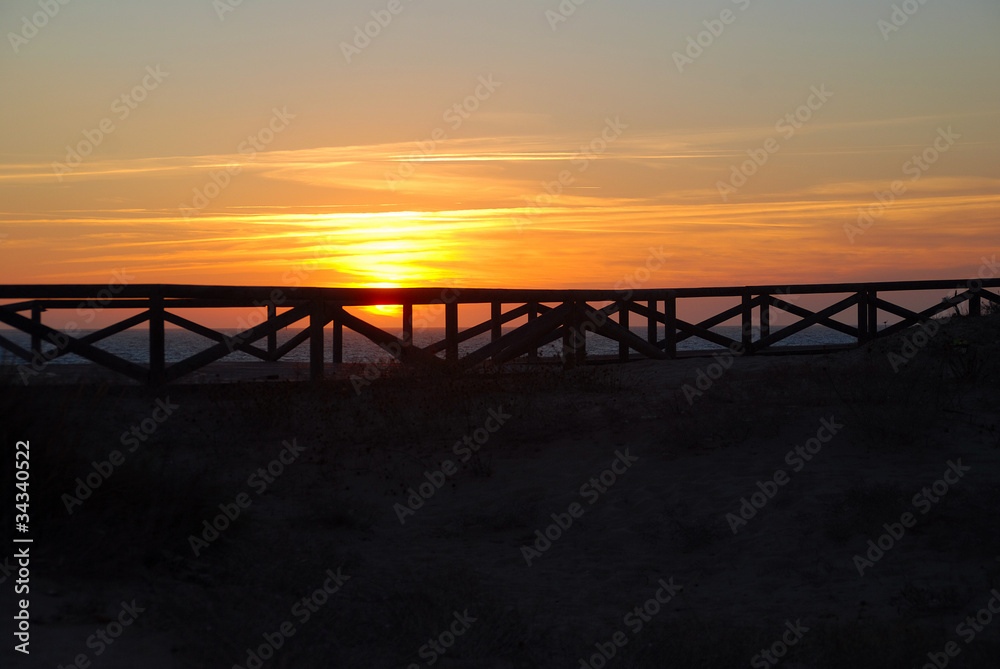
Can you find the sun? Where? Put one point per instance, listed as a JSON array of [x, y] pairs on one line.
[[384, 309]]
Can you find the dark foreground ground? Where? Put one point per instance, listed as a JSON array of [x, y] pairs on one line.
[[282, 524]]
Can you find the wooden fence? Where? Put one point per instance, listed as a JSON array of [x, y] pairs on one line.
[[550, 315]]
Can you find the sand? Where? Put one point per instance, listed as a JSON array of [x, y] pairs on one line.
[[680, 471]]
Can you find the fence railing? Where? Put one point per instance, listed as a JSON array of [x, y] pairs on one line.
[[548, 315]]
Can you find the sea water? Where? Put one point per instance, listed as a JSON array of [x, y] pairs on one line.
[[133, 345]]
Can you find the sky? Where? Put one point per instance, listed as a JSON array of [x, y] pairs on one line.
[[519, 144]]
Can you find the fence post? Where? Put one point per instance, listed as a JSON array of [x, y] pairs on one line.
[[496, 327], [157, 342], [670, 328], [765, 315], [975, 302], [623, 319], [862, 316], [36, 339], [316, 323], [532, 312], [272, 337], [580, 327], [569, 359], [747, 321], [451, 330], [651, 322], [872, 315], [408, 323]]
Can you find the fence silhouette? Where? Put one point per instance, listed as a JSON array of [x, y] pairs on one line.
[[551, 315]]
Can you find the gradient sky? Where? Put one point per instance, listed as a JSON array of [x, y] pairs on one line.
[[315, 206]]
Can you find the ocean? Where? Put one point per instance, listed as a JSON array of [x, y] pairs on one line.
[[133, 345]]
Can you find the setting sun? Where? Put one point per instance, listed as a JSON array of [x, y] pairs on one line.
[[500, 334]]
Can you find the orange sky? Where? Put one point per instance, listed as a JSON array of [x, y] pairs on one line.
[[367, 173]]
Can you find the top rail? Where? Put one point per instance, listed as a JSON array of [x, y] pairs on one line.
[[432, 295]]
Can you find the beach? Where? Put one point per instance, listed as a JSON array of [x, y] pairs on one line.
[[833, 510]]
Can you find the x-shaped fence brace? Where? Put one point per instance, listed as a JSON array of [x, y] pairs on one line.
[[549, 315]]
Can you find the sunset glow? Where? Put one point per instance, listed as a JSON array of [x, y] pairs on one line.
[[550, 154]]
